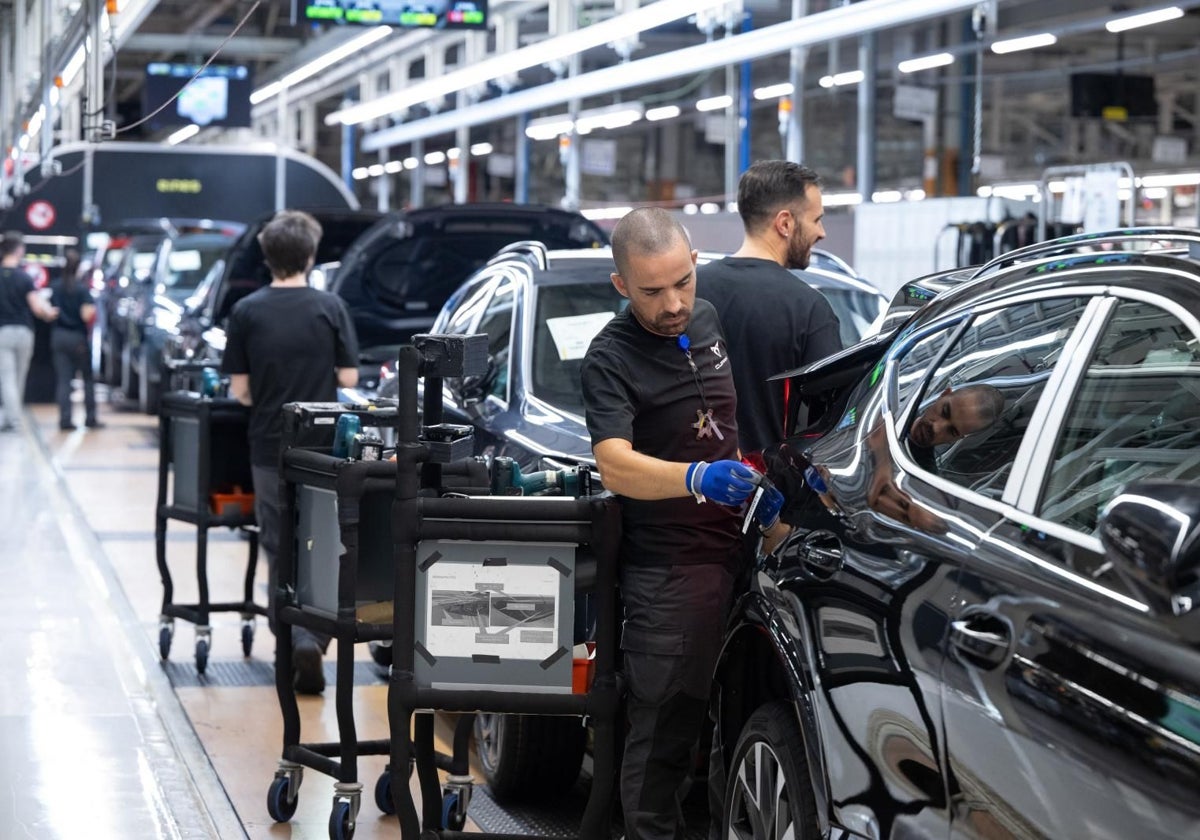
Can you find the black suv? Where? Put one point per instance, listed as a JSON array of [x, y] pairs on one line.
[[394, 271], [985, 623]]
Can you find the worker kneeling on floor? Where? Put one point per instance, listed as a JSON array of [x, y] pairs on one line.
[[286, 343]]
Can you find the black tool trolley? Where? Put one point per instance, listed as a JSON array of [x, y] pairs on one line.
[[335, 576], [204, 479], [484, 606]]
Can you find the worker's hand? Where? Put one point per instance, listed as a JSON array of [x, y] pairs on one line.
[[726, 482], [766, 514]]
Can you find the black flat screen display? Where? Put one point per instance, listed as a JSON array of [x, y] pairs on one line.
[[433, 14], [220, 96]]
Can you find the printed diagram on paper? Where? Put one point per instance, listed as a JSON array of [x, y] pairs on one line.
[[505, 611]]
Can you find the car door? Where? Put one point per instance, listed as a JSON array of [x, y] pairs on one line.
[[1070, 711], [909, 511]]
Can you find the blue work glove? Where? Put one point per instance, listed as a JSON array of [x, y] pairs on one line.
[[766, 514], [726, 482]]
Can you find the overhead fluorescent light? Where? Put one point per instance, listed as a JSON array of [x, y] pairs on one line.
[[666, 112], [434, 158], [411, 163], [714, 103], [1026, 42], [887, 196], [185, 133], [315, 66], [359, 173], [846, 21], [392, 167], [927, 62], [481, 149], [73, 66], [375, 170], [850, 77], [1179, 179], [1155, 193], [617, 28], [595, 213], [615, 116], [1144, 19], [840, 199], [774, 91], [453, 154]]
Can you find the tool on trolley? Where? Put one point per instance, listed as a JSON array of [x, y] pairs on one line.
[[485, 589], [204, 479], [508, 480]]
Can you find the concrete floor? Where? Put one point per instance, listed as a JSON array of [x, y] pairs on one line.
[[95, 741]]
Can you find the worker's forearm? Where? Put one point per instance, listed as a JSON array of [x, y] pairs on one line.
[[638, 476]]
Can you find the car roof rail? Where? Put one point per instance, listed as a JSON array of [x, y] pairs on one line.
[[1077, 243], [527, 248]]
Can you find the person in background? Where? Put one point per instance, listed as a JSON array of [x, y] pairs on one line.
[[286, 343], [773, 321], [19, 303], [661, 411], [69, 343]]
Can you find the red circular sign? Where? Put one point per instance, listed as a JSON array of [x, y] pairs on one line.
[[40, 215]]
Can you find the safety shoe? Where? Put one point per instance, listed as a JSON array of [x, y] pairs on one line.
[[308, 674]]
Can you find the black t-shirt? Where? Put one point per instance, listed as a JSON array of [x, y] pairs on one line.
[[15, 286], [773, 321], [638, 387], [289, 340], [70, 306]]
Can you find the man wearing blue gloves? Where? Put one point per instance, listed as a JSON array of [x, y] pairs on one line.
[[661, 410]]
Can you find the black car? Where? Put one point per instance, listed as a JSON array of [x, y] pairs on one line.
[[984, 623]]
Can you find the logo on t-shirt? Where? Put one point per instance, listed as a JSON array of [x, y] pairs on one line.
[[716, 348]]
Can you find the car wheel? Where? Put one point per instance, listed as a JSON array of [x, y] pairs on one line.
[[769, 793], [529, 758], [129, 377], [148, 389]]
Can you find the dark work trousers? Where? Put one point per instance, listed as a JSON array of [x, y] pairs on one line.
[[267, 513], [69, 349], [674, 621]]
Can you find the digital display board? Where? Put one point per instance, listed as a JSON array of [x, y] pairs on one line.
[[433, 14], [219, 96]]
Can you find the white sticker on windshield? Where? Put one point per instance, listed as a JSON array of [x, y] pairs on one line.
[[573, 333]]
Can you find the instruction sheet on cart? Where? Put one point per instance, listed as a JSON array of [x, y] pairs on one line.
[[508, 611]]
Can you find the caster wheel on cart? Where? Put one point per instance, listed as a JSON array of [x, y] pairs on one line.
[[281, 805], [247, 637], [341, 821], [383, 794], [452, 820], [164, 640], [201, 655]]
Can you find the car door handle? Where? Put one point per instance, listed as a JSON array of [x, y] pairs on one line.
[[981, 639]]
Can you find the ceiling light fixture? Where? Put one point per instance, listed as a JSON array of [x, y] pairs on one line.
[[714, 103], [185, 133], [774, 91], [850, 77], [481, 149], [846, 21], [926, 62], [314, 67], [1025, 42], [1144, 19], [614, 29], [666, 112]]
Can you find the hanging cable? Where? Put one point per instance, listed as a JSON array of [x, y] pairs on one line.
[[203, 67]]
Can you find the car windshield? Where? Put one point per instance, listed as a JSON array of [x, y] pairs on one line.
[[856, 310], [568, 316], [189, 262]]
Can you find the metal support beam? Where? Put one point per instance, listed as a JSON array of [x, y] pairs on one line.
[[866, 117], [243, 46]]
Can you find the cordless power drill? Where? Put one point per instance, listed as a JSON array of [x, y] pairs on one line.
[[508, 480]]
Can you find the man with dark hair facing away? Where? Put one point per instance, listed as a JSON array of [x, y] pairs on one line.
[[286, 343], [773, 321], [661, 411]]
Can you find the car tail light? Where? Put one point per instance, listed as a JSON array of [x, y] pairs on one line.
[[387, 371]]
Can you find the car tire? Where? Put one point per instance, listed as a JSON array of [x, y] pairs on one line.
[[129, 374], [148, 389], [769, 751], [529, 758]]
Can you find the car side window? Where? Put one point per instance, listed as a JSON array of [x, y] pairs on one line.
[[497, 324], [1135, 415], [976, 406]]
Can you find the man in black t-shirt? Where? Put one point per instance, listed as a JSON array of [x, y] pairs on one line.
[[19, 302], [661, 411], [287, 343], [773, 320]]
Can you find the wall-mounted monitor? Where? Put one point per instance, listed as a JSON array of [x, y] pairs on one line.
[[219, 96], [433, 14]]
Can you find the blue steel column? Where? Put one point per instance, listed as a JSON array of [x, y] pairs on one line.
[[521, 162], [744, 100], [795, 127], [866, 116]]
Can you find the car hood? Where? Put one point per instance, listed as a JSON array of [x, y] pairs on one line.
[[553, 433]]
